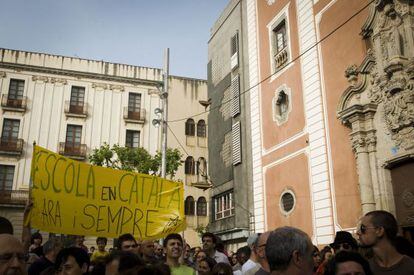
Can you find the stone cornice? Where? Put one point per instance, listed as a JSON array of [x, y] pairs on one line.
[[79, 74], [356, 110]]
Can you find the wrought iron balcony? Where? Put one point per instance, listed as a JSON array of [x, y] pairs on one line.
[[72, 150], [134, 115], [76, 110], [17, 105], [11, 146], [281, 58], [16, 197]]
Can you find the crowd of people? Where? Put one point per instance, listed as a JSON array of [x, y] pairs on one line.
[[285, 250]]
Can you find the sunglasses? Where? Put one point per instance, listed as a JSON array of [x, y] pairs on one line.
[[344, 246], [363, 228]]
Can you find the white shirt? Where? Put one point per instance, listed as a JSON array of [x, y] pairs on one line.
[[248, 265], [221, 257]]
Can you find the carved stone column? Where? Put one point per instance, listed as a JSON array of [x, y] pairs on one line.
[[360, 119]]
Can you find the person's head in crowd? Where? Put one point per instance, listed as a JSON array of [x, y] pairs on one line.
[[326, 253], [158, 250], [79, 240], [187, 252], [101, 243], [289, 251], [377, 227], [251, 243], [344, 241], [122, 262], [209, 241], [260, 249], [206, 266], [404, 246], [51, 248], [72, 261], [220, 245], [173, 247], [5, 226], [126, 242], [316, 258], [36, 239], [222, 269], [347, 262], [196, 249], [243, 254], [147, 249], [200, 255], [233, 259], [92, 249], [12, 256]]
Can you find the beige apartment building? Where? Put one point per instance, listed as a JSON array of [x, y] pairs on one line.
[[71, 106]]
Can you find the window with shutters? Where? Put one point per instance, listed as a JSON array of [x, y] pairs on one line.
[[279, 43], [15, 97], [6, 177], [77, 100], [10, 130], [201, 128], [189, 166], [190, 127], [201, 206], [132, 139], [224, 206], [234, 51], [236, 143], [235, 97], [189, 206], [134, 106]]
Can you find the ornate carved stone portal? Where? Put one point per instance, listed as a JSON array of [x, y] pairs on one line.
[[378, 105]]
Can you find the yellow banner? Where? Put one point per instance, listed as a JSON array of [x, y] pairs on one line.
[[71, 197]]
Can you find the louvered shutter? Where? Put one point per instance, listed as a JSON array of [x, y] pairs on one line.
[[235, 96], [236, 143]]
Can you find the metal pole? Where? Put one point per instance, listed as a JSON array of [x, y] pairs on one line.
[[164, 96]]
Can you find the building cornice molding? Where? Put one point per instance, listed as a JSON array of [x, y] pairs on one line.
[[79, 74]]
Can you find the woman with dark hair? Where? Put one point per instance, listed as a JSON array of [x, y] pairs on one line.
[[36, 244], [316, 258], [205, 266], [347, 262]]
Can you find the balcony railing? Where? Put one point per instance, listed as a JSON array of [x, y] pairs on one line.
[[135, 115], [18, 197], [72, 150], [11, 146], [18, 105], [76, 110], [281, 58]]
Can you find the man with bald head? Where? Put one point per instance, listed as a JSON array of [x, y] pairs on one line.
[[12, 256]]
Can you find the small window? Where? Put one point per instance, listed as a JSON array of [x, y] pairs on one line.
[[190, 127], [280, 37], [287, 202], [6, 177], [189, 166], [189, 206], [10, 130], [281, 104], [73, 135], [134, 102], [234, 44], [16, 89], [201, 206], [201, 128], [132, 139]]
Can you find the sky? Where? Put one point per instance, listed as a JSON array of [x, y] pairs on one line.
[[133, 32]]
